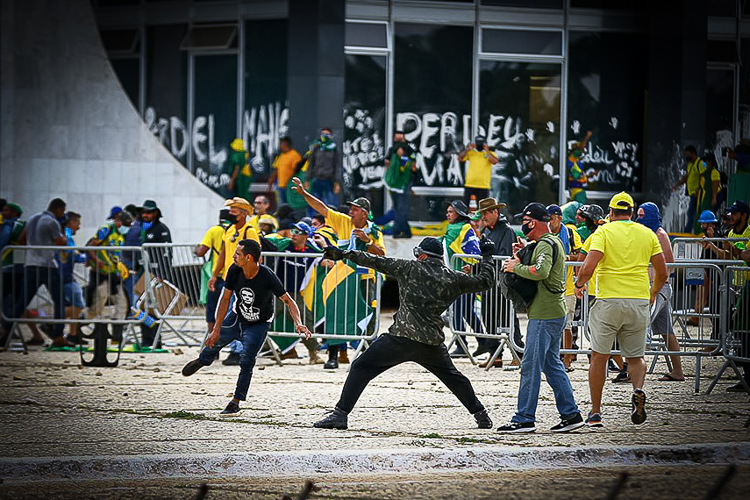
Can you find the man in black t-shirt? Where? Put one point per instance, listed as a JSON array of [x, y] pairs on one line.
[[254, 287]]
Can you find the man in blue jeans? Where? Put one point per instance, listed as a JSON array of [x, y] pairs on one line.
[[547, 315], [253, 286]]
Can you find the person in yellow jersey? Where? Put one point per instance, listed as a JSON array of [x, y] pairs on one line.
[[692, 179], [241, 229], [621, 252], [211, 244], [283, 168], [356, 233], [479, 160]]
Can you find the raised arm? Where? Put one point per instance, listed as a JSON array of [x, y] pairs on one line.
[[311, 200]]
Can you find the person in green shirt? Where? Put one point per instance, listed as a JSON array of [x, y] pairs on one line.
[[547, 314]]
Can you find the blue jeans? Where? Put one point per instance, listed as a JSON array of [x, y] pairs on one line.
[[323, 190], [542, 354], [252, 338], [281, 193], [401, 202]]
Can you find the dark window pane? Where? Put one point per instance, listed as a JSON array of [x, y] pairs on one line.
[[364, 128], [719, 106], [215, 121], [522, 42], [608, 4], [744, 104], [120, 41], [432, 104], [606, 95], [166, 88], [519, 114], [128, 71], [366, 35], [210, 37], [722, 8], [529, 4], [722, 51], [265, 117]]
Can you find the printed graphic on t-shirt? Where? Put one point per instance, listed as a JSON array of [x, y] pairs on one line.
[[245, 305]]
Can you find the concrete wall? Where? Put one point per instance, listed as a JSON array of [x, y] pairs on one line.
[[68, 130]]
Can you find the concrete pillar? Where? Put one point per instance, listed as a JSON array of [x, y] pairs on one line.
[[315, 71]]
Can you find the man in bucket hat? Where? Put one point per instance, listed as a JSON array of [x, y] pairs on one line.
[[153, 230], [495, 312], [417, 331]]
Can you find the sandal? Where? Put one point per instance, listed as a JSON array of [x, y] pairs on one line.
[[669, 378]]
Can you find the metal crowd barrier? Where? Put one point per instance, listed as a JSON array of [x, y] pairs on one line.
[[735, 345], [685, 248], [89, 297]]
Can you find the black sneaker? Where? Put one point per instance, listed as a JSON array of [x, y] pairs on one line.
[[570, 424], [611, 366], [192, 367], [517, 428], [483, 419], [738, 387], [594, 420], [336, 420], [232, 410], [638, 416], [232, 360]]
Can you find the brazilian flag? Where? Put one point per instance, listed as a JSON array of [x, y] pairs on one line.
[[346, 312]]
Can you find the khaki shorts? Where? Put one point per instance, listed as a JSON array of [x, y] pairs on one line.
[[625, 320], [570, 307]]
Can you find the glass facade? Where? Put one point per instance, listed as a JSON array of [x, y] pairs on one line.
[[607, 96], [363, 149], [442, 72], [432, 104], [519, 115]]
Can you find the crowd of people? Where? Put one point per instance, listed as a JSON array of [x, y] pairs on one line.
[[247, 292]]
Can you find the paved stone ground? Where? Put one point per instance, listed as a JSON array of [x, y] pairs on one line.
[[52, 408]]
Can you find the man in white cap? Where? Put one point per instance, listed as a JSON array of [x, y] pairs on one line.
[[621, 252]]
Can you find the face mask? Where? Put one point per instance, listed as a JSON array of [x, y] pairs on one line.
[[480, 145], [526, 229], [123, 230], [146, 226], [68, 232], [231, 218]]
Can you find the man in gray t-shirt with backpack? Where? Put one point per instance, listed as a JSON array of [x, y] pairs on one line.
[[41, 268]]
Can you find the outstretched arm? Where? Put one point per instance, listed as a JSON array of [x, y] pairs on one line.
[[311, 200]]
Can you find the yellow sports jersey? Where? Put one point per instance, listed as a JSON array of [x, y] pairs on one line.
[[342, 224], [284, 165], [478, 169], [231, 238], [213, 239], [575, 245], [623, 269], [694, 171], [256, 225]]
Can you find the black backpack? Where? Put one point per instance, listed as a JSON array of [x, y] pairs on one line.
[[521, 291]]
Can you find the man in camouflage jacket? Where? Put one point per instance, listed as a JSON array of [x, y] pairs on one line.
[[426, 288]]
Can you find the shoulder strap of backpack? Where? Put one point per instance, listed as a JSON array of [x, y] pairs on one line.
[[554, 259]]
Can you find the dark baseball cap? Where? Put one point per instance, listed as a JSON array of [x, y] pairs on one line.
[[430, 246], [554, 210], [536, 211], [739, 206], [362, 203]]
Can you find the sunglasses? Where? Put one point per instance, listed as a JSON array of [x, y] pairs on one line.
[[297, 232]]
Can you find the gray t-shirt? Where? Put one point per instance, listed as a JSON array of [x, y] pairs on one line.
[[42, 229]]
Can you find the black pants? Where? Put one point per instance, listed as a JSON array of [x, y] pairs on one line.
[[388, 351]]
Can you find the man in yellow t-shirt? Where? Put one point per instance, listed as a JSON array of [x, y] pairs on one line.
[[212, 241], [239, 209], [283, 168], [622, 250], [357, 233], [692, 179], [479, 160]]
